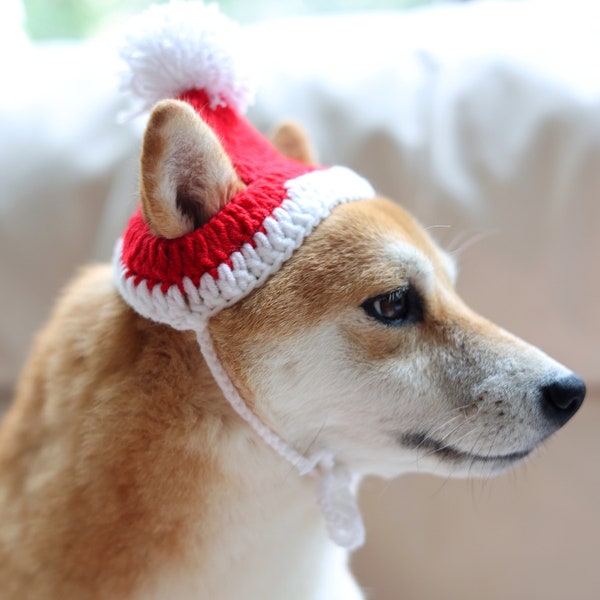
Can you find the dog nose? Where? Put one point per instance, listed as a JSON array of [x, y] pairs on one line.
[[562, 398]]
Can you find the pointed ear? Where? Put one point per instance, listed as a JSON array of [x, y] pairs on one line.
[[291, 140], [186, 177]]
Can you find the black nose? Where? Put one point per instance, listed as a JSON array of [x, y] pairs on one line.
[[562, 398]]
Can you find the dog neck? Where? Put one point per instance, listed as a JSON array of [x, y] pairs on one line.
[[259, 519], [183, 499], [335, 491]]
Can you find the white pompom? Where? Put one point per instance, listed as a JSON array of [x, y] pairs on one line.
[[173, 48]]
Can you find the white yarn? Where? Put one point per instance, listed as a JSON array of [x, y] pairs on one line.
[[339, 508], [311, 197], [302, 464], [180, 46], [335, 495]]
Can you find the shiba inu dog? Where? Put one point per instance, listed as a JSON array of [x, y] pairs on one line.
[[128, 471]]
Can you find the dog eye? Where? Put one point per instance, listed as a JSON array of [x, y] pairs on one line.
[[396, 308]]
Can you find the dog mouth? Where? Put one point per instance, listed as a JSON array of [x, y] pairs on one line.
[[444, 451]]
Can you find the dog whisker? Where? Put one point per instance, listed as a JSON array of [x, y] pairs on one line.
[[440, 448], [453, 431], [429, 436], [462, 243], [492, 444], [456, 442], [313, 441], [431, 433], [473, 452], [438, 227]]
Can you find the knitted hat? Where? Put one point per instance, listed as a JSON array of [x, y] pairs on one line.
[[186, 50]]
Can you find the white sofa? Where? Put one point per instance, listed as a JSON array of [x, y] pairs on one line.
[[483, 119]]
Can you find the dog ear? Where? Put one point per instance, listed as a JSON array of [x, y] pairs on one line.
[[291, 140], [186, 177]]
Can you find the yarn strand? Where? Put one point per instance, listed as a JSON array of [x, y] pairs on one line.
[[335, 496]]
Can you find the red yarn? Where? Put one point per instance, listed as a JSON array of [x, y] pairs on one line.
[[259, 165]]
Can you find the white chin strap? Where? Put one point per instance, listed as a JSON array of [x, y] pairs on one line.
[[334, 493]]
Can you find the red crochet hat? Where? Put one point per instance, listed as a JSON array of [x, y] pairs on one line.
[[181, 51], [186, 50]]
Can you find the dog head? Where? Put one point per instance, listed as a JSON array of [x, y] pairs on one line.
[[359, 345]]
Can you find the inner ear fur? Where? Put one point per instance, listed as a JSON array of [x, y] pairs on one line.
[[186, 177], [291, 140]]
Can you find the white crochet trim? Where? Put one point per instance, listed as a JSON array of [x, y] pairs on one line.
[[180, 46], [310, 198]]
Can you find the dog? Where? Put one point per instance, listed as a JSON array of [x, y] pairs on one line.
[[128, 468], [125, 474]]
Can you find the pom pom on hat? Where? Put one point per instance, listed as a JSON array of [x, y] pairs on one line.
[[181, 46]]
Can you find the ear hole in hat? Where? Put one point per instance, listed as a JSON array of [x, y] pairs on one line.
[[186, 177]]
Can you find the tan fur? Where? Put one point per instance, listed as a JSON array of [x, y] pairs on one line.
[[291, 140], [107, 406], [309, 290], [124, 473]]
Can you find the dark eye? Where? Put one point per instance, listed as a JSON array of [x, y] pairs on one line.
[[395, 308]]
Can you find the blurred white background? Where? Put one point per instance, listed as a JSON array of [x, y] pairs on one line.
[[483, 118]]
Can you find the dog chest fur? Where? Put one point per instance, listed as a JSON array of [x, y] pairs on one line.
[[151, 481]]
